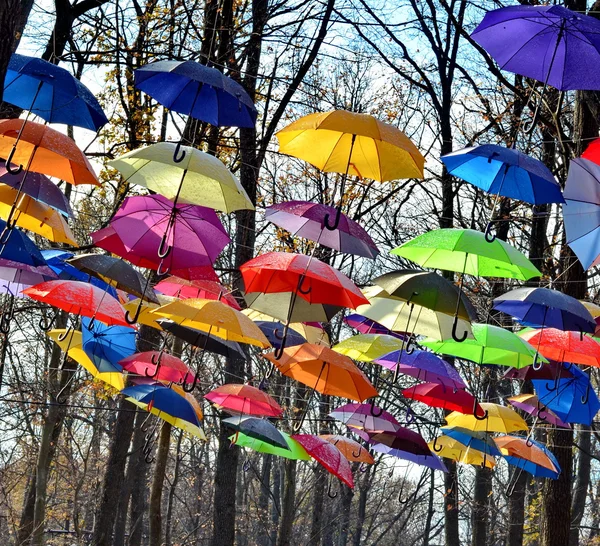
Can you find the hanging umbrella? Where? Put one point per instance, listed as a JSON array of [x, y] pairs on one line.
[[245, 400], [423, 366], [541, 307], [365, 325], [401, 438], [51, 92], [481, 441], [361, 416], [439, 396], [593, 309], [530, 404], [581, 212], [57, 262], [452, 449], [367, 347], [352, 450], [548, 371], [328, 456], [146, 310], [158, 365], [106, 345], [293, 451], [170, 404], [307, 220], [564, 346], [198, 178], [529, 455], [185, 289], [430, 461], [285, 306], [498, 419], [259, 429], [274, 333], [20, 249]]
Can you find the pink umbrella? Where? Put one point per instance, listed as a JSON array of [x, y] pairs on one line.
[[185, 289], [158, 365]]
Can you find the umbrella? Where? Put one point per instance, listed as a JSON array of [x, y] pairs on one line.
[[170, 404], [146, 315], [185, 289], [368, 347], [400, 438], [352, 450], [38, 186], [285, 306], [361, 416], [198, 178], [481, 441], [158, 365], [106, 345], [196, 90], [423, 366], [439, 396], [327, 455], [431, 460], [313, 332], [498, 419], [245, 400], [582, 210], [293, 451], [541, 307], [22, 252], [57, 262], [51, 92], [564, 346], [452, 449], [548, 371], [530, 404], [259, 429], [274, 333], [529, 455], [307, 220], [81, 299], [367, 326]]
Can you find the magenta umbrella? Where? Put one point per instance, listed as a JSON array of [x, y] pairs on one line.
[[401, 438], [365, 416], [309, 220]]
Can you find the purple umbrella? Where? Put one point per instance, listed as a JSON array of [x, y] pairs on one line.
[[39, 187], [431, 461], [401, 438], [530, 404], [361, 415], [368, 326], [423, 366], [308, 220]]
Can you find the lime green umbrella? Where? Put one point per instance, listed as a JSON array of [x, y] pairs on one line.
[[491, 345], [368, 347], [296, 451]]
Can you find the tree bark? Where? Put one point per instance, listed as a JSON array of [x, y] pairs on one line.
[[582, 483], [481, 499], [10, 13], [288, 509], [160, 469], [171, 499]]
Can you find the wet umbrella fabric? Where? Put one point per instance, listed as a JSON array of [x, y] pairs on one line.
[[274, 333], [245, 400]]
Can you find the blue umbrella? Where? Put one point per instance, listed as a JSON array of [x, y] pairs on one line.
[[431, 461], [480, 441], [534, 469], [274, 333], [107, 345], [20, 248], [572, 398], [542, 307], [51, 93]]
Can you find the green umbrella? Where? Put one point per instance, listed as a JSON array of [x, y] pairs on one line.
[[368, 347], [296, 451]]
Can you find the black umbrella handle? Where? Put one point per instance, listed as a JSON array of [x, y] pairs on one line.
[[455, 327], [490, 236], [177, 156]]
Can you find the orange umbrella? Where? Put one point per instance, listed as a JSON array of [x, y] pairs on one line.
[[45, 150], [350, 449], [523, 448]]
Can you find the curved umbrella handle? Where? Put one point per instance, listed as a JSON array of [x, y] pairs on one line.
[[189, 387], [152, 375], [528, 441], [363, 467], [336, 221], [4, 324], [132, 320], [160, 271], [177, 158], [300, 283], [373, 412], [65, 334], [485, 413], [8, 166], [585, 398], [149, 458], [278, 334], [410, 416], [47, 327], [278, 353], [164, 249], [542, 413], [454, 335], [435, 446], [409, 348], [6, 232], [490, 236], [408, 499], [329, 493], [537, 364], [357, 455]]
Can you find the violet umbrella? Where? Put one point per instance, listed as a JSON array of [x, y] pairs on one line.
[[361, 416], [367, 326], [530, 403], [401, 438], [431, 461], [308, 220]]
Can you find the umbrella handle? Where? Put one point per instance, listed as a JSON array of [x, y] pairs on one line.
[[357, 454], [189, 387], [363, 467], [277, 334], [336, 221], [149, 458], [410, 416], [133, 320], [542, 413], [65, 334], [490, 236], [554, 385], [6, 232], [160, 272], [300, 283], [536, 365], [7, 316], [373, 412], [177, 157], [152, 375], [246, 465], [528, 441], [585, 398], [454, 335], [329, 494], [164, 249], [409, 348], [47, 327], [513, 484], [435, 446], [483, 417], [278, 353], [408, 499], [9, 161]]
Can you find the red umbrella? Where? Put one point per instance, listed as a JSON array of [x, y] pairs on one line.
[[79, 298], [158, 365], [440, 396], [185, 289], [244, 399], [592, 152], [562, 346], [327, 455]]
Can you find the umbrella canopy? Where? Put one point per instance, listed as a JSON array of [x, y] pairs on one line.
[[21, 252], [481, 441], [185, 289], [52, 93], [581, 212], [244, 399], [505, 171], [564, 346], [106, 345], [216, 318], [498, 419], [71, 342], [467, 251], [544, 307], [328, 456], [159, 366], [452, 449], [324, 370], [548, 43], [79, 298], [172, 405], [38, 186], [274, 333], [492, 345], [14, 281], [197, 90], [46, 151], [293, 451], [198, 179], [439, 396], [365, 325], [341, 141], [57, 262], [146, 310], [259, 429], [547, 371], [366, 417], [401, 438], [423, 366], [279, 306], [530, 403], [312, 280], [305, 219], [351, 449], [430, 461], [368, 347], [529, 455]]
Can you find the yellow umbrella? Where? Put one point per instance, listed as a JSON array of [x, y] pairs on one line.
[[498, 419], [72, 344], [368, 347], [35, 216], [147, 315], [199, 178], [356, 144], [216, 318], [452, 449], [312, 334], [592, 308]]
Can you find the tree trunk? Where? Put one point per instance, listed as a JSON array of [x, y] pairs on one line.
[[481, 498], [171, 499], [451, 528], [430, 510], [347, 496], [516, 510], [262, 521], [160, 469], [10, 13], [288, 509], [316, 527], [362, 509], [580, 491]]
